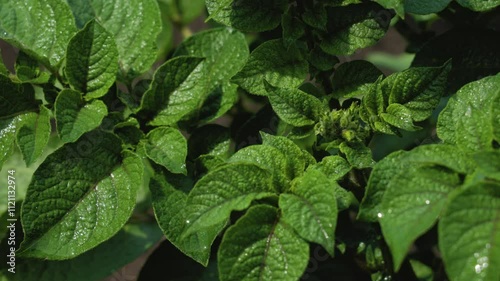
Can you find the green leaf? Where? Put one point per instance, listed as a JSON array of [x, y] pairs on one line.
[[133, 99], [419, 89], [472, 51], [293, 27], [231, 187], [469, 233], [424, 7], [247, 15], [169, 206], [217, 103], [168, 95], [335, 167], [74, 116], [8, 132], [129, 131], [469, 116], [208, 162], [27, 70], [373, 103], [412, 204], [225, 52], [397, 5], [358, 155], [353, 27], [34, 135], [321, 60], [72, 203], [167, 147], [488, 163], [353, 79], [268, 158], [82, 12], [296, 160], [422, 271], [210, 139], [479, 5], [400, 117], [123, 248], [92, 60], [315, 17], [296, 107], [135, 24], [390, 167], [311, 209], [15, 98], [404, 97], [272, 62], [261, 247], [41, 28]]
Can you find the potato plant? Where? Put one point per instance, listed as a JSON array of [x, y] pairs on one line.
[[261, 146]]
